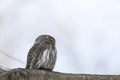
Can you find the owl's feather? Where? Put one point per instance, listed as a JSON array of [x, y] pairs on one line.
[[42, 55]]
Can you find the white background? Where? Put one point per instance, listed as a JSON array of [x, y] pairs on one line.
[[87, 33]]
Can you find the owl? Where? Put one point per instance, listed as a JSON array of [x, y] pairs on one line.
[[42, 55]]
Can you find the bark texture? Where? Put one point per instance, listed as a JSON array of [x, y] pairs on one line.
[[27, 74]]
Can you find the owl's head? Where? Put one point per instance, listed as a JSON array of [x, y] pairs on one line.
[[45, 39]]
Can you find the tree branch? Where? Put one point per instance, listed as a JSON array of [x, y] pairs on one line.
[[27, 74]]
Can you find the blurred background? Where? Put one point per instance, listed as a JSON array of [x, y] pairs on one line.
[[87, 33]]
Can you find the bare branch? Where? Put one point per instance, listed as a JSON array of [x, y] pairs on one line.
[[27, 74]]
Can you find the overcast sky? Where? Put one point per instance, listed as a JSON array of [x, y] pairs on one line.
[[87, 33]]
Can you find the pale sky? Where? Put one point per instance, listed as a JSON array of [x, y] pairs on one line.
[[87, 33]]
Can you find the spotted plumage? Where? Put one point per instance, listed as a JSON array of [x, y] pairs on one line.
[[42, 55]]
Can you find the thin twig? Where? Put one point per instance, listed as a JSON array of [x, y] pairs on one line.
[[11, 57]]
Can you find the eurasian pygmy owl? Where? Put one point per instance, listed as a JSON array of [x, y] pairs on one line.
[[42, 55]]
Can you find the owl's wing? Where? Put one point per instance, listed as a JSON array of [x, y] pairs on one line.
[[54, 57], [35, 51]]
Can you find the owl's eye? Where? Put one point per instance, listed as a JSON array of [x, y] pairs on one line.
[[47, 42]]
